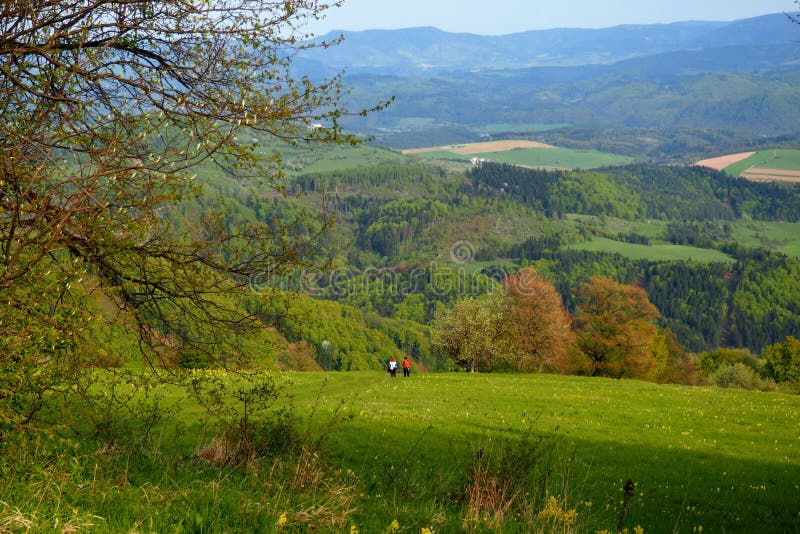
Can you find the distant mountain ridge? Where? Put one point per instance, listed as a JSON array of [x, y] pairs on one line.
[[417, 50]]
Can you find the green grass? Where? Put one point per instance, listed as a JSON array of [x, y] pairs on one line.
[[549, 158], [558, 158], [783, 237], [779, 159], [656, 252], [446, 155], [778, 236], [792, 249], [725, 460], [653, 229], [340, 158], [325, 158]]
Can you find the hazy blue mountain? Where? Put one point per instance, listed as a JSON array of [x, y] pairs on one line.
[[731, 88], [427, 49], [764, 30]]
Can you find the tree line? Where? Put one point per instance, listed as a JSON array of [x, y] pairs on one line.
[[613, 332], [526, 328], [640, 191]]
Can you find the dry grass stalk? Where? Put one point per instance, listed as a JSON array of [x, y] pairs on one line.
[[488, 497]]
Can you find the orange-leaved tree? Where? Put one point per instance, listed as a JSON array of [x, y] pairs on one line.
[[616, 330], [538, 334]]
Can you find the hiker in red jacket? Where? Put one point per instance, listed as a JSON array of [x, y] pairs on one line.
[[406, 366]]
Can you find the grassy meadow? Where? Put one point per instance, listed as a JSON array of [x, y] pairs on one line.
[[302, 159], [783, 237], [655, 252], [407, 453], [558, 158], [724, 460], [549, 158], [778, 236]]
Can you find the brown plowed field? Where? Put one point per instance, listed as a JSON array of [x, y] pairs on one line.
[[724, 161], [481, 148], [771, 175], [773, 172]]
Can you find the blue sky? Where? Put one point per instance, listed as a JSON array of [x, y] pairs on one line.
[[497, 17]]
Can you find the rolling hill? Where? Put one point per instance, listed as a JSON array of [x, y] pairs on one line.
[[427, 49], [760, 104], [735, 76]]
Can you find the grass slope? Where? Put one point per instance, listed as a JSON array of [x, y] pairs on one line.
[[783, 237], [405, 450], [317, 158], [722, 459], [559, 158], [658, 252], [551, 158]]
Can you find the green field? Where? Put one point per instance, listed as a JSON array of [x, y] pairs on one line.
[[724, 460], [406, 450], [550, 158], [778, 236], [312, 159], [653, 229], [780, 159], [657, 252], [783, 237], [558, 158]]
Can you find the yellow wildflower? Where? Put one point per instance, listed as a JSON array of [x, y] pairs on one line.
[[551, 510], [638, 530], [394, 526], [353, 529], [425, 530], [282, 520], [570, 517]]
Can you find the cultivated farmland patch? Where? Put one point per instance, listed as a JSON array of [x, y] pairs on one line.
[[481, 148], [774, 165], [723, 162], [771, 175]]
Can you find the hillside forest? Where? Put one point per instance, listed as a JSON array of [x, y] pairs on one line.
[[403, 225]]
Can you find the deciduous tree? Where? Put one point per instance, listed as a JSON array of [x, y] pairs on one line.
[[108, 108], [617, 332], [538, 331], [782, 362], [469, 333]]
